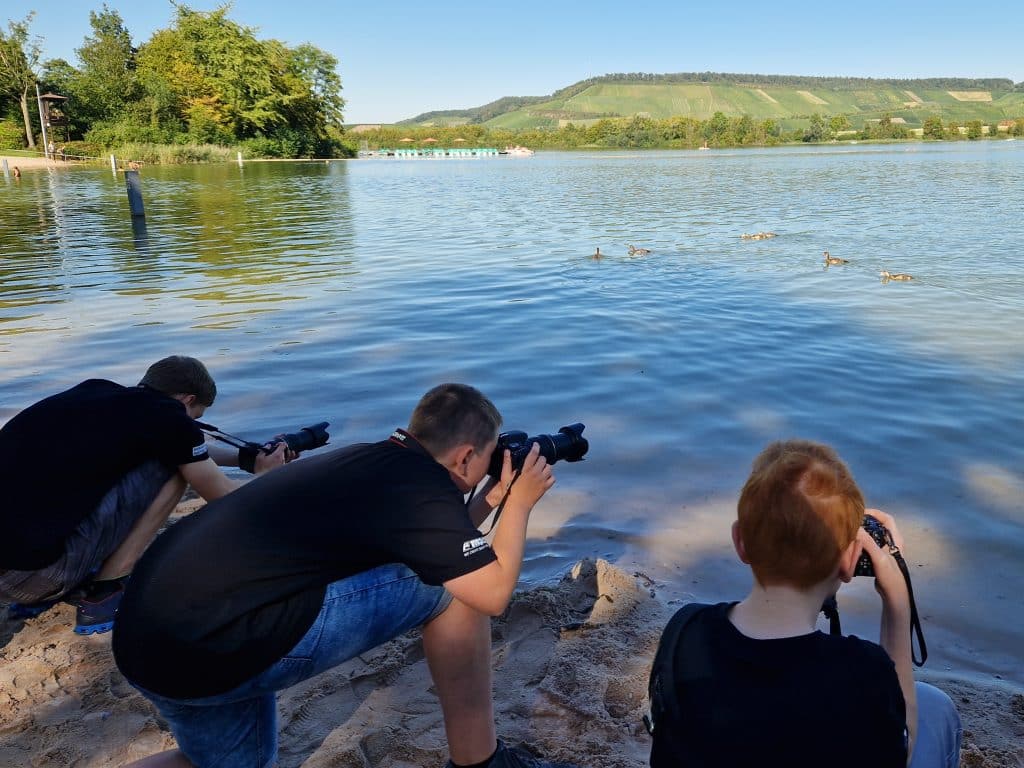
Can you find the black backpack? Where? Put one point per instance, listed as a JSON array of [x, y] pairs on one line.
[[665, 715]]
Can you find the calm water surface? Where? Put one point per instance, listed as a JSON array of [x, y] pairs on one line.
[[344, 291]]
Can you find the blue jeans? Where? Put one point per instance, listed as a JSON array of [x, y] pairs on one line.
[[238, 729], [938, 730]]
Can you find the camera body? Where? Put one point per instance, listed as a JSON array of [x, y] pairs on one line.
[[567, 444], [306, 439], [882, 538]]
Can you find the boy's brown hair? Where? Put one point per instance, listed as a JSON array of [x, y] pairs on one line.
[[799, 509], [180, 375], [450, 414]]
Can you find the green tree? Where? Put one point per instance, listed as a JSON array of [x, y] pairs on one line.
[[974, 130], [933, 128], [817, 130], [19, 59], [838, 123], [107, 84]]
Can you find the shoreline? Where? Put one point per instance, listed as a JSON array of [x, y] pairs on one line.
[[570, 663]]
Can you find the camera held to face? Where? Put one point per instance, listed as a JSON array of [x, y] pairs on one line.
[[882, 537], [568, 444]]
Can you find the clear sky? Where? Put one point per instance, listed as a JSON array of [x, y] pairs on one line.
[[398, 59]]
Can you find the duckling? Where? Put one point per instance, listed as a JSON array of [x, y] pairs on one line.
[[834, 260], [766, 235], [887, 276], [638, 251]]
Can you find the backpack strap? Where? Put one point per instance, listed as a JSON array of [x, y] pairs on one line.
[[664, 707]]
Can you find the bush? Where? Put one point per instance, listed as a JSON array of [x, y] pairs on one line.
[[81, 150], [12, 135], [173, 154]]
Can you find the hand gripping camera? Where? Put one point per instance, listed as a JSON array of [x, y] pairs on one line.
[[306, 439], [568, 444], [883, 538]]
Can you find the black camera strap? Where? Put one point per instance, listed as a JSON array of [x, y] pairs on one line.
[[501, 504], [831, 610], [247, 451], [915, 621]]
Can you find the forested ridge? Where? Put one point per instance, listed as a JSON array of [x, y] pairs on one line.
[[511, 103]]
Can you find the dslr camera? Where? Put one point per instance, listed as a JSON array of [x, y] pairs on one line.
[[305, 439], [567, 444]]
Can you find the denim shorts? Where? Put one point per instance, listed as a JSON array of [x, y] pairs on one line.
[[93, 541], [238, 729]]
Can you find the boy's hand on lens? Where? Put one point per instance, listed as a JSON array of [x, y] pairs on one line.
[[534, 478], [890, 523], [268, 461]]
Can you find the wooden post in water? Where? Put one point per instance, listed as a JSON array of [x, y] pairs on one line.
[[7, 171], [113, 166], [133, 182], [239, 159]]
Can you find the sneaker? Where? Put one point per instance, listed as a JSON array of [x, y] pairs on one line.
[[17, 611], [517, 758], [96, 615]]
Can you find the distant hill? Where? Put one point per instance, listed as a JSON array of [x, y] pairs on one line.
[[786, 99]]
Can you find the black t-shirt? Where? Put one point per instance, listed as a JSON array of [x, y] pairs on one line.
[[229, 590], [810, 700], [59, 458]]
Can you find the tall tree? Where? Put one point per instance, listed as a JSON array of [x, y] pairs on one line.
[[19, 58], [107, 82]]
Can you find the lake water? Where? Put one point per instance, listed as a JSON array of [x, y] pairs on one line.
[[343, 291]]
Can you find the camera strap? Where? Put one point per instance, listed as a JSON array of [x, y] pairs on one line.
[[501, 504], [247, 451], [915, 621], [831, 610]]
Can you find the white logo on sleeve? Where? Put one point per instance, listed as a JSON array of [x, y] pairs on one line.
[[473, 546], [198, 450]]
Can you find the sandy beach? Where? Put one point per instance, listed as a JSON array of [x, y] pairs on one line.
[[571, 664], [32, 163]]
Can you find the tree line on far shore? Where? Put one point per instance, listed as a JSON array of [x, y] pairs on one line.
[[672, 133], [203, 80]]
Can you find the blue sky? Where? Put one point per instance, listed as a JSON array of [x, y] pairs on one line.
[[402, 58]]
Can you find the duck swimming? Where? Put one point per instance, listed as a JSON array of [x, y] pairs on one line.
[[638, 251], [834, 260], [597, 254], [757, 236], [887, 276]]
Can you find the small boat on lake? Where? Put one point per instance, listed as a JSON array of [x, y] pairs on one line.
[[516, 151]]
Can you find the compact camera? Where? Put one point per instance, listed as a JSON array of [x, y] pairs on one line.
[[568, 444], [882, 537]]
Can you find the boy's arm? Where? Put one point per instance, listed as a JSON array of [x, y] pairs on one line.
[[894, 634], [490, 588]]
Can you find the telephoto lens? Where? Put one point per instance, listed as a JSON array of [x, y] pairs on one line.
[[568, 444]]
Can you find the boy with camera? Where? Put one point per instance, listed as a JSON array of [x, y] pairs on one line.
[[91, 474], [754, 682], [318, 562]]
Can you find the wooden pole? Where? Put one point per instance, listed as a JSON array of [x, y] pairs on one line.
[[113, 166], [133, 182], [42, 124], [7, 171], [239, 159]]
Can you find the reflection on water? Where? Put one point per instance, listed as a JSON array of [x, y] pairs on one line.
[[343, 291]]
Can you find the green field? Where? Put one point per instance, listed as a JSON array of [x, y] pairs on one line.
[[862, 100]]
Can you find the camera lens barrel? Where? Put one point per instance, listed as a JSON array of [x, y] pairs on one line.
[[307, 438], [568, 444]]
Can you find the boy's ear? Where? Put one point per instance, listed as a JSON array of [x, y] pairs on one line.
[[848, 561], [737, 542]]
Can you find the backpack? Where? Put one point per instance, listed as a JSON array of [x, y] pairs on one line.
[[662, 723]]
